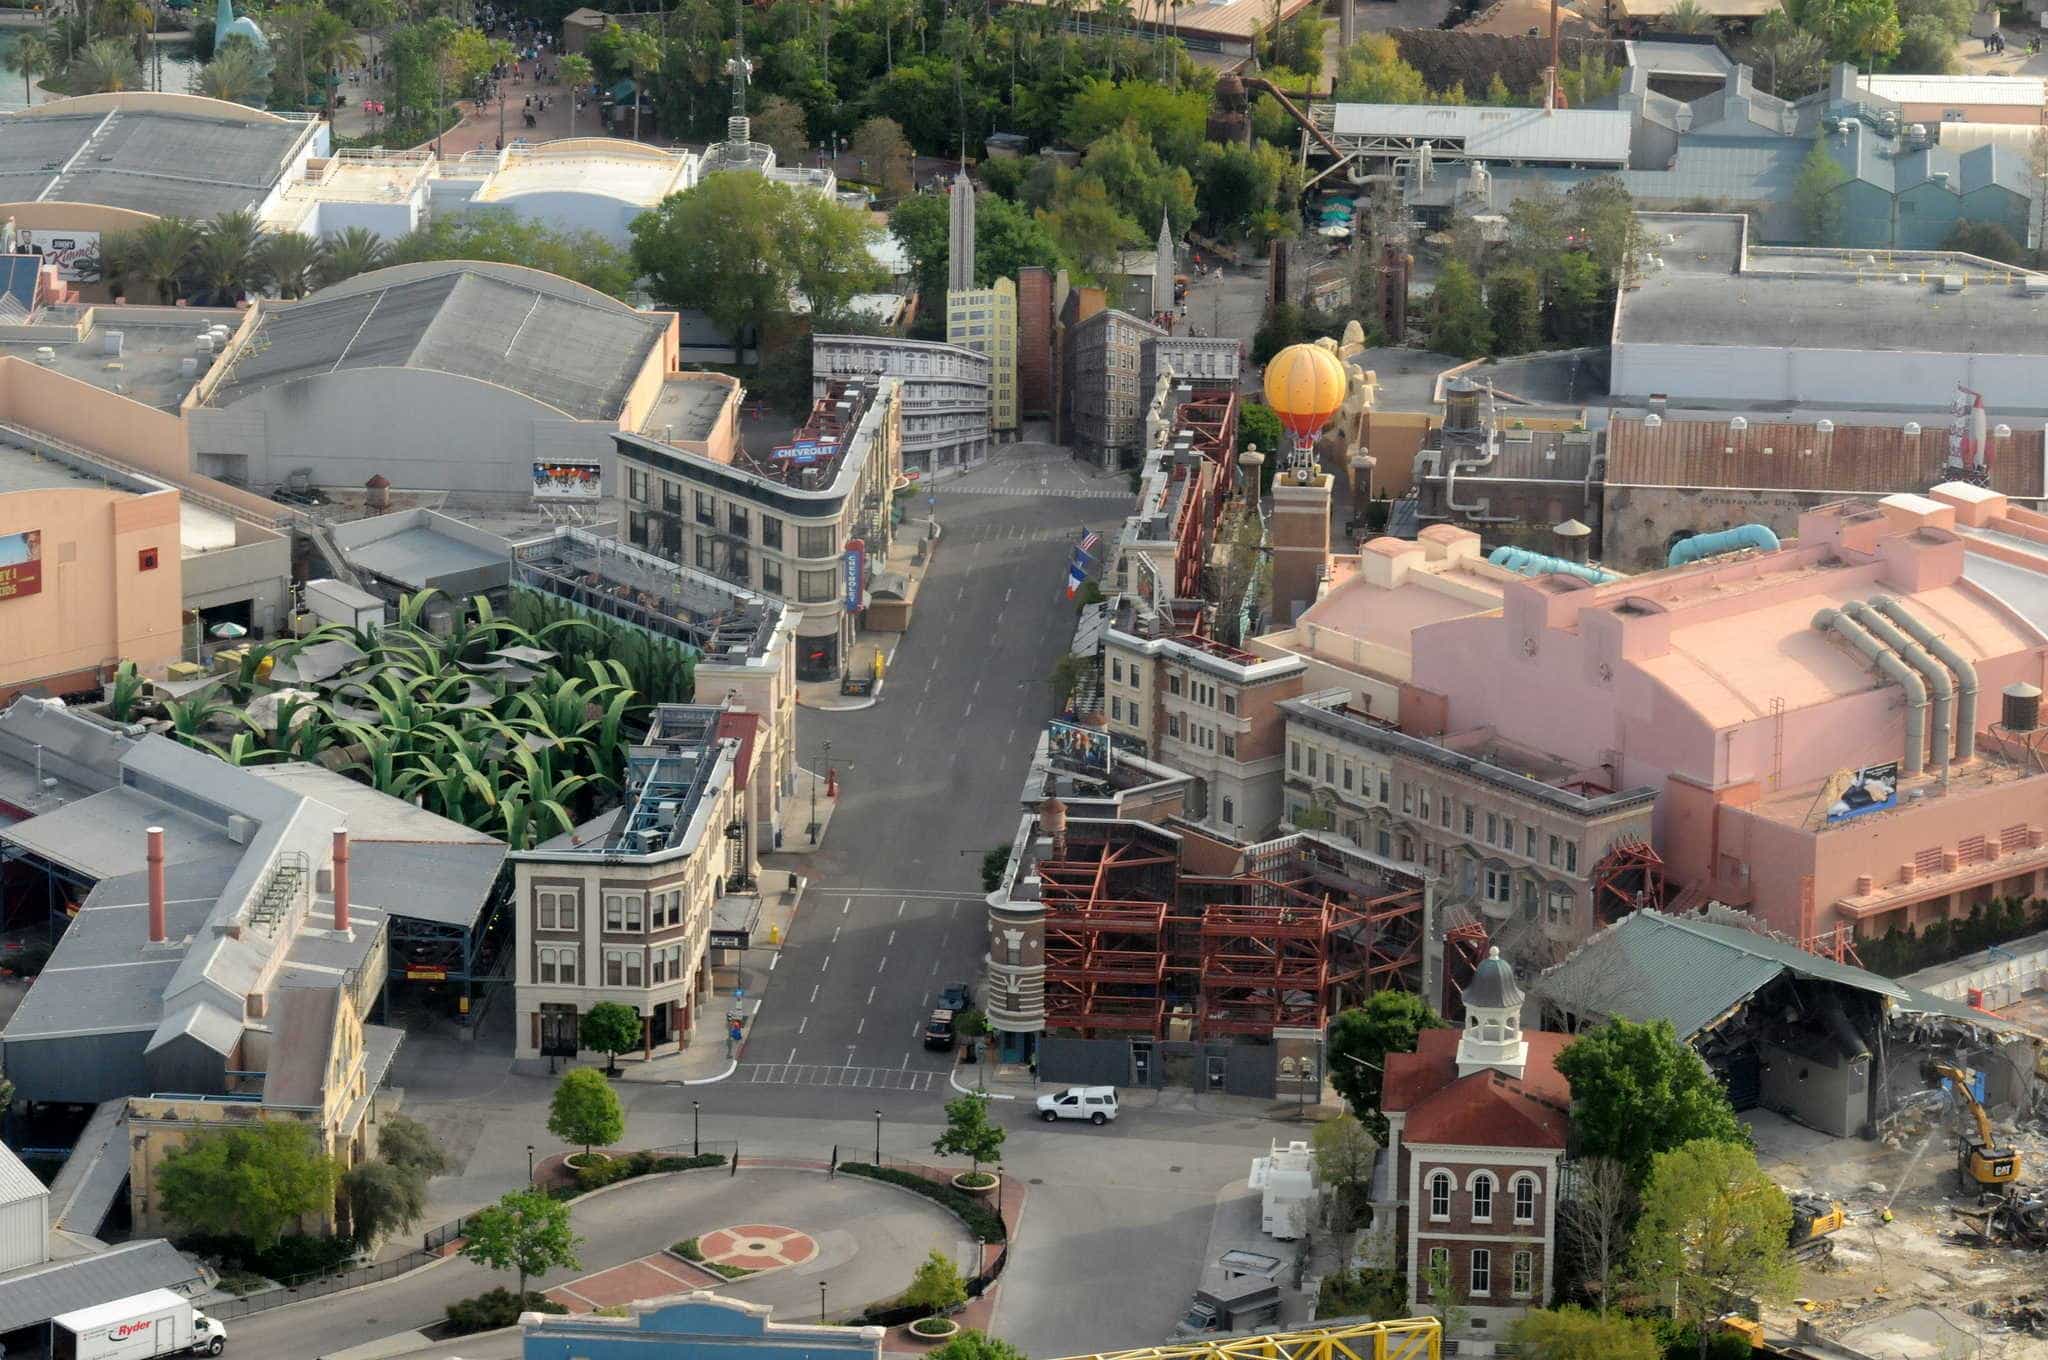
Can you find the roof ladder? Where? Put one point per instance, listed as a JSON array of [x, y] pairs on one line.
[[280, 890]]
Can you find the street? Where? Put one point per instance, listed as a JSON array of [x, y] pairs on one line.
[[1117, 1221]]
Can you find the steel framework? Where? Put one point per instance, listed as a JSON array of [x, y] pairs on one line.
[[1132, 944], [1392, 1339], [1629, 876]]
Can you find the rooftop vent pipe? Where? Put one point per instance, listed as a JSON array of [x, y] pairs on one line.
[[1966, 674], [1939, 686], [158, 931], [341, 879], [1892, 668], [1722, 541], [1525, 563]]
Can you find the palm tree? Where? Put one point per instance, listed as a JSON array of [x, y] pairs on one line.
[[230, 255], [292, 260], [235, 75], [1687, 16], [103, 66], [349, 252], [163, 254], [331, 45], [576, 73], [120, 259], [30, 57], [641, 51]]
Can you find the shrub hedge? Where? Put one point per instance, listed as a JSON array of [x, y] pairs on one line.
[[633, 1164], [981, 1220], [494, 1309]]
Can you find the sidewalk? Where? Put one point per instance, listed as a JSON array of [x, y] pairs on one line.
[[1015, 1082], [810, 792], [910, 558]]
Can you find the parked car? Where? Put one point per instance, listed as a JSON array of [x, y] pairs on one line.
[[939, 1031], [1096, 1104], [956, 997]]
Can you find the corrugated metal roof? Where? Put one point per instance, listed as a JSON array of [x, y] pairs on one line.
[[1579, 135], [17, 1182], [1853, 459], [1690, 971], [39, 1294], [2026, 91]]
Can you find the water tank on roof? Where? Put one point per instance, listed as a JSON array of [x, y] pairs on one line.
[[2021, 711]]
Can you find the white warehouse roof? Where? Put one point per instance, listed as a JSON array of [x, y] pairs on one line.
[[2022, 91], [1578, 136]]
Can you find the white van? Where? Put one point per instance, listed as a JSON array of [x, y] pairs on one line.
[[1096, 1104]]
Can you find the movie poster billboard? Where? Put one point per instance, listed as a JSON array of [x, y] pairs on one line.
[[75, 253], [568, 479], [21, 564], [1083, 747], [1871, 789]]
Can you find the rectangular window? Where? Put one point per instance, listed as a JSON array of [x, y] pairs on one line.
[[1500, 886], [1492, 828], [1385, 842], [1383, 788], [1422, 804], [1529, 898], [1347, 776], [1571, 857], [1482, 1200], [544, 910], [1554, 852], [736, 521], [1559, 913], [614, 968], [1229, 745], [657, 966], [1482, 1272], [814, 540], [1529, 841], [1230, 703], [703, 552], [547, 965], [1173, 724], [636, 484], [1440, 1195], [565, 959], [1329, 768], [771, 576], [1469, 816], [1525, 1199], [671, 498], [815, 587], [1408, 798], [1443, 807], [1116, 670], [569, 906], [633, 966], [633, 921], [1173, 682], [1439, 1260], [636, 528], [771, 532], [614, 912], [737, 568], [1294, 756], [1525, 1274], [1508, 841], [703, 505]]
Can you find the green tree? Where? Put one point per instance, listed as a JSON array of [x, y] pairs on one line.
[[1360, 1040], [505, 237], [1091, 231], [525, 1231], [237, 74], [884, 156], [992, 866], [640, 50], [291, 260], [1687, 16], [251, 1182], [1594, 1219], [576, 74], [1344, 1152], [1713, 1227], [1926, 48], [826, 244], [586, 1110], [719, 247], [1237, 183], [31, 57], [383, 1198], [1581, 308], [1140, 183], [1570, 1333], [781, 124], [1637, 1091], [229, 256], [1514, 299], [611, 1029], [1458, 320], [937, 1287], [1176, 122], [972, 1345], [102, 66], [1446, 1302], [970, 1133], [403, 1141], [1987, 239], [1792, 61], [1257, 423], [349, 252], [1371, 71]]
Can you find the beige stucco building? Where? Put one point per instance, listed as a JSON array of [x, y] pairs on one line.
[[985, 321]]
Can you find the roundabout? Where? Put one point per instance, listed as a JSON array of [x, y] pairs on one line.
[[757, 1247]]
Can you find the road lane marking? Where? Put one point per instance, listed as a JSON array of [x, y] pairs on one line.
[[871, 995], [826, 964], [977, 687], [899, 909], [906, 1063], [858, 1028], [892, 938], [883, 964], [969, 713], [792, 1056], [846, 907], [814, 992], [802, 1023], [774, 959], [835, 934]]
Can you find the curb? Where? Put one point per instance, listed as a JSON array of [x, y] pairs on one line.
[[953, 1080], [730, 1068]]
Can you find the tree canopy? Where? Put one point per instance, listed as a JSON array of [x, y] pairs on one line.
[[1713, 1226], [1570, 1333], [970, 1133], [1360, 1040], [611, 1029], [253, 1181], [1637, 1092], [586, 1110], [525, 1231]]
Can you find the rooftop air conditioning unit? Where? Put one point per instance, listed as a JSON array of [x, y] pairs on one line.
[[1951, 283], [2036, 285]]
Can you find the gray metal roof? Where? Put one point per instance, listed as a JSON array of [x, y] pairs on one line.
[[1578, 135], [1650, 966], [17, 1182], [418, 547], [40, 1293], [150, 161], [574, 350], [447, 883]]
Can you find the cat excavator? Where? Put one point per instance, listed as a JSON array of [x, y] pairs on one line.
[[1982, 1163]]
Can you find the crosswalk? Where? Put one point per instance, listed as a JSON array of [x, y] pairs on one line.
[[968, 488], [819, 1074]]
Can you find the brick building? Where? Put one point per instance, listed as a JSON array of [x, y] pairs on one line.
[[1034, 343], [1477, 1120]]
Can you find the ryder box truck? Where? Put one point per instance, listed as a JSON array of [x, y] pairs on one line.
[[156, 1323]]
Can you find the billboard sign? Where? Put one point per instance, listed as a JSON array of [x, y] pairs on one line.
[[1074, 745], [856, 571], [804, 452], [568, 479], [75, 253], [21, 564], [1870, 789]]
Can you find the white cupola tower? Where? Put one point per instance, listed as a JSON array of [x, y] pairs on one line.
[[1493, 1020]]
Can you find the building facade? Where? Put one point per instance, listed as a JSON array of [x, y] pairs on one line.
[[621, 908], [1512, 835], [1476, 1136], [1101, 383], [946, 393], [1211, 711], [782, 524], [1202, 362], [960, 236], [704, 1325], [985, 321], [1035, 288]]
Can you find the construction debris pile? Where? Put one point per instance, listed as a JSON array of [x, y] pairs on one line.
[[2018, 1218]]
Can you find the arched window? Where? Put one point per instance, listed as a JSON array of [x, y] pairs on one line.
[[1440, 1195], [1525, 1198], [1482, 1196]]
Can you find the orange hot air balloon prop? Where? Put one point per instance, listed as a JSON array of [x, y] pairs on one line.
[[1305, 385]]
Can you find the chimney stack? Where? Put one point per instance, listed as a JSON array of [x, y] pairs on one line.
[[158, 931], [341, 879]]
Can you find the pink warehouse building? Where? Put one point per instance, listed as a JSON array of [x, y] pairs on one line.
[[1763, 695]]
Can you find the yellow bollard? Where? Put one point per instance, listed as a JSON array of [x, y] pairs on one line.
[[775, 934]]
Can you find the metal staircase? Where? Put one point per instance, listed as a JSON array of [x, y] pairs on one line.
[[280, 890]]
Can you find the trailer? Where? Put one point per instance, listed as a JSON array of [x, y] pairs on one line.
[[156, 1323]]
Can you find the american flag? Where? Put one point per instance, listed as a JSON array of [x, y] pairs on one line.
[[1088, 541]]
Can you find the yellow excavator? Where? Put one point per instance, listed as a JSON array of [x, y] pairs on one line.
[[1982, 1163]]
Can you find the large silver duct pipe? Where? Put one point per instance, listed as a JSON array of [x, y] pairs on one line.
[[1939, 687], [1888, 665], [1966, 674]]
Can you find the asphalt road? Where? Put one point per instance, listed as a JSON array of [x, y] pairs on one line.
[[929, 780]]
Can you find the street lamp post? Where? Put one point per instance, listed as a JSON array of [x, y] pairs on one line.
[[696, 1144], [813, 829], [529, 1166], [821, 1300], [878, 1137]]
